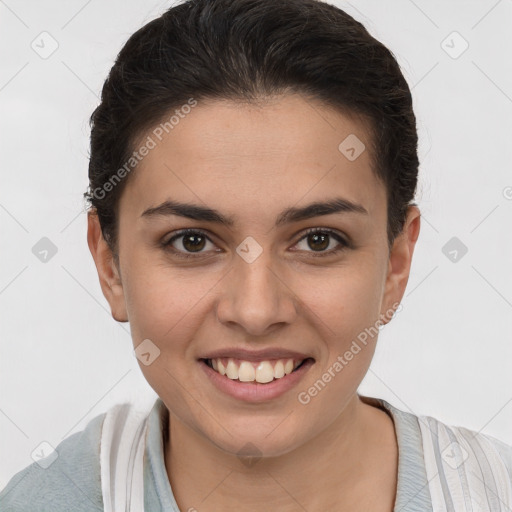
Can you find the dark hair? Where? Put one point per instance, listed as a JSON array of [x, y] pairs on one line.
[[248, 50]]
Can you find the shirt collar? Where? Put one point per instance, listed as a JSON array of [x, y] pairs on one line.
[[412, 485]]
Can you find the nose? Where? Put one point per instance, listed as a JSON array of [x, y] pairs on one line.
[[256, 297]]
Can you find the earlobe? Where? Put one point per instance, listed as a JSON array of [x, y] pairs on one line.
[[400, 260], [108, 272]]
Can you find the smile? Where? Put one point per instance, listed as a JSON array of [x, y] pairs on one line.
[[279, 376], [254, 371]]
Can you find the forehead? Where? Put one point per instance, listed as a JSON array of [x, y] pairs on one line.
[[240, 157]]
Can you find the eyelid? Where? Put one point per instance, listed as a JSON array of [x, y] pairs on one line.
[[185, 231], [330, 231]]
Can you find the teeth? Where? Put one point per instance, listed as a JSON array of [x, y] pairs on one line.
[[264, 372], [248, 371], [279, 370], [232, 370]]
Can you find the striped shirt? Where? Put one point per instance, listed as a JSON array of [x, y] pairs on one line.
[[432, 468]]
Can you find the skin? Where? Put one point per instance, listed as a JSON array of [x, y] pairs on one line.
[[251, 162]]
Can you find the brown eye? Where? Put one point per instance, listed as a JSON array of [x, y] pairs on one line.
[[187, 242], [194, 242], [318, 240]]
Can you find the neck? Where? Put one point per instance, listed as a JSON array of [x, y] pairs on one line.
[[357, 452]]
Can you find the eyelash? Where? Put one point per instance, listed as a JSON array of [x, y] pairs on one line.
[[184, 232]]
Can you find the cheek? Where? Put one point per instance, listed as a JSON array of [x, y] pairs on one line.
[[344, 301], [165, 304], [157, 308], [167, 309], [344, 309]]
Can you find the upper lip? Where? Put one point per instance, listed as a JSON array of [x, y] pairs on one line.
[[255, 355]]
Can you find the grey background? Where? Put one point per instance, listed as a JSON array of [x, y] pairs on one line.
[[64, 360]]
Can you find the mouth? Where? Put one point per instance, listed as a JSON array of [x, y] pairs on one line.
[[256, 372], [252, 381]]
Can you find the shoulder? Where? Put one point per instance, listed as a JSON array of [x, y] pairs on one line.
[[69, 478], [453, 445], [459, 445], [461, 468], [463, 464]]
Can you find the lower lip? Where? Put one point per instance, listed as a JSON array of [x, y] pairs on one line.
[[255, 391]]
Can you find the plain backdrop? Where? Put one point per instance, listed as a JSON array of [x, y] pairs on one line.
[[447, 354]]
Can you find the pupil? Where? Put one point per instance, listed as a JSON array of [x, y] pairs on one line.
[[324, 240], [195, 246]]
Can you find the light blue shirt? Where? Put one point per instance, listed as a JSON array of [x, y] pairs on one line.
[[73, 481]]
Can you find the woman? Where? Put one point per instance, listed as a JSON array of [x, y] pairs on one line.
[[252, 174]]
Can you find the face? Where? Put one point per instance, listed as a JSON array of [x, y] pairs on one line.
[[276, 276]]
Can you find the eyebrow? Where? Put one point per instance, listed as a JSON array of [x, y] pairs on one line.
[[287, 216]]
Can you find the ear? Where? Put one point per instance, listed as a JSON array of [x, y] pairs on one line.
[[399, 266], [108, 272]]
